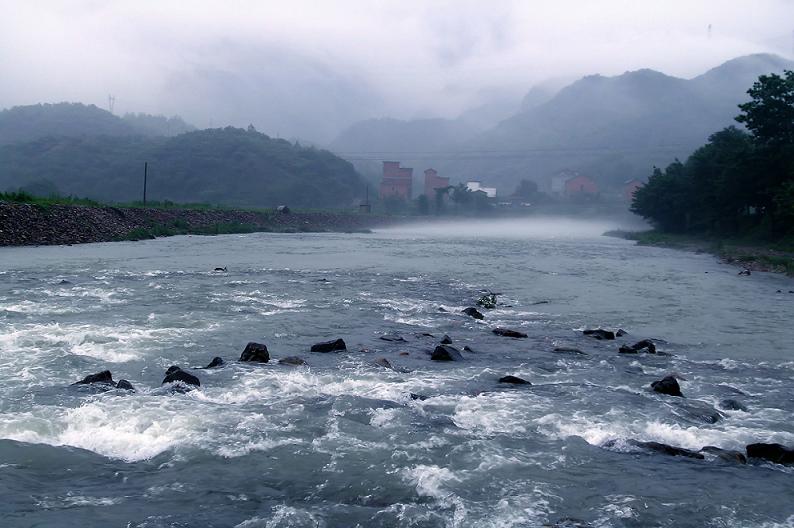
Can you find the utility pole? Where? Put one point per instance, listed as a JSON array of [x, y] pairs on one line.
[[111, 102], [145, 177]]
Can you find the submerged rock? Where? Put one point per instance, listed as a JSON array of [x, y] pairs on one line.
[[292, 360], [776, 453], [446, 340], [569, 522], [383, 362], [420, 397], [393, 338], [446, 353], [621, 333], [646, 345], [330, 346], [599, 333], [103, 377], [567, 350], [725, 454], [125, 385], [506, 332], [467, 348], [667, 449], [215, 363], [487, 301], [729, 404], [473, 312], [515, 380], [256, 353], [667, 385], [220, 269], [176, 374]]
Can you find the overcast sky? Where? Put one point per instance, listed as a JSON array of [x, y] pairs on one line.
[[301, 68]]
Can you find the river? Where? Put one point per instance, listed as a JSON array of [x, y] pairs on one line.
[[341, 442]]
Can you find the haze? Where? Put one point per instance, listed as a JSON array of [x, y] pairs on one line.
[[309, 69]]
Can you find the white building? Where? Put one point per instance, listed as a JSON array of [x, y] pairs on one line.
[[475, 186]]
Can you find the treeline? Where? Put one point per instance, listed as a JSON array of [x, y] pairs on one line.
[[228, 166], [741, 183]]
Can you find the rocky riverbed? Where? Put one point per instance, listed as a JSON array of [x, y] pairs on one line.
[[27, 224]]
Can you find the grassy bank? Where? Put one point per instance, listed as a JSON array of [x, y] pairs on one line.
[[775, 256]]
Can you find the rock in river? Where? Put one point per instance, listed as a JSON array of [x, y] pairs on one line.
[[330, 346], [292, 360], [725, 454], [509, 333], [646, 345], [100, 377], [776, 453], [473, 312], [599, 333], [667, 449], [394, 338], [446, 340], [125, 385], [667, 385], [176, 374], [515, 380], [446, 353], [215, 363], [729, 404], [255, 352], [568, 350]]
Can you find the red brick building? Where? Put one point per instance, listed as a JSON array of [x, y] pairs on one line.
[[433, 181], [397, 181], [629, 188], [580, 185]]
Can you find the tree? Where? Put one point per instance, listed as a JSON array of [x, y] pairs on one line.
[[527, 190], [770, 113], [664, 199]]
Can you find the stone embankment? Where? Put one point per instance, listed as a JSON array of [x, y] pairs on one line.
[[30, 224]]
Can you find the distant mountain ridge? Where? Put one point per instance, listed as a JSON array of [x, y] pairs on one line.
[[612, 128], [26, 123]]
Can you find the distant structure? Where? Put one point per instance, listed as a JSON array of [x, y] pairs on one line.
[[433, 181], [570, 183], [630, 187], [111, 102], [476, 186], [397, 181]]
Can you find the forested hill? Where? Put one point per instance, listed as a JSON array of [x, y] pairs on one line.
[[26, 123], [220, 166]]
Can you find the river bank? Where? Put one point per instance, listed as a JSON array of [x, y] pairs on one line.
[[30, 224], [754, 256]]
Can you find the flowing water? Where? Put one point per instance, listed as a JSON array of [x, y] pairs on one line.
[[341, 442]]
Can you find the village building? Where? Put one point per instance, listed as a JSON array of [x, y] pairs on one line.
[[630, 187], [476, 186], [571, 183], [397, 181], [433, 181]]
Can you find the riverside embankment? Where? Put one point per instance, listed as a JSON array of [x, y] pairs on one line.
[[29, 224]]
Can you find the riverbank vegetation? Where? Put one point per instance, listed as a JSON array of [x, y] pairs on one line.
[[740, 185]]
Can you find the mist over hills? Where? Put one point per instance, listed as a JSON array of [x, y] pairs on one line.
[[26, 123], [612, 128]]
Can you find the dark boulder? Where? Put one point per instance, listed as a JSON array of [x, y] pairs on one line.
[[599, 333], [729, 404], [646, 345], [420, 397], [175, 374], [725, 454], [473, 312], [621, 333], [125, 385], [100, 377], [383, 362], [446, 353], [776, 453], [515, 380], [667, 385], [745, 272], [292, 360], [467, 348], [330, 346], [700, 412], [505, 332], [667, 449], [446, 340], [393, 338], [220, 269], [215, 363], [487, 301], [567, 350], [255, 352]]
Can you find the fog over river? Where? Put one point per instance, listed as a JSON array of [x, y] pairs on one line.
[[342, 442]]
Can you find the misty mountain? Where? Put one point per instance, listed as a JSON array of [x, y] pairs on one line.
[[26, 123], [611, 128], [219, 166]]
